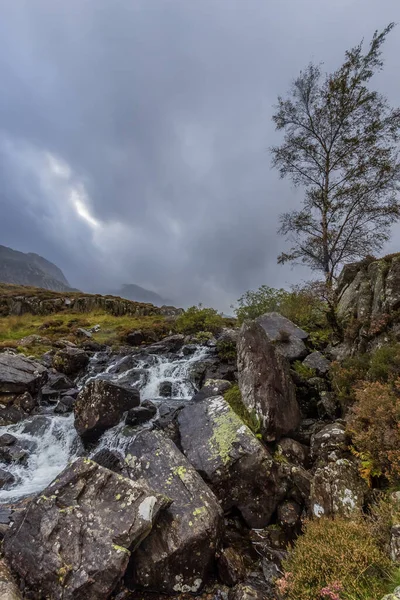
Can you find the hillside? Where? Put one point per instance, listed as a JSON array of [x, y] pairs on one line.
[[30, 269], [134, 292]]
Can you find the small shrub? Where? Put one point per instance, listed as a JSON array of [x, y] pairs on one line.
[[203, 336], [226, 350], [197, 318], [234, 398], [303, 305], [346, 375], [337, 555], [303, 371], [385, 363], [374, 426]]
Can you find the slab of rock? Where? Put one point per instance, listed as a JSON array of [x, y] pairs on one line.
[[212, 387], [337, 489], [287, 337], [19, 374], [8, 587], [318, 362], [100, 405], [70, 360], [227, 454], [178, 555], [265, 383], [74, 541]]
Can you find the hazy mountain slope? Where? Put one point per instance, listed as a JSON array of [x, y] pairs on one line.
[[30, 269], [131, 291]]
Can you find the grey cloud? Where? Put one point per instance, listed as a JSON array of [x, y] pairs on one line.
[[162, 111]]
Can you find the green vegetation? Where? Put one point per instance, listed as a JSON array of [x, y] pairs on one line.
[[337, 557], [50, 328], [198, 319], [303, 371], [234, 398], [226, 350], [374, 425], [303, 305]]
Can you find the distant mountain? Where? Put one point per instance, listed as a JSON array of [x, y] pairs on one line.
[[130, 291], [31, 269]]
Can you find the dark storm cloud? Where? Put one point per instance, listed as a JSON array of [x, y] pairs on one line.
[[134, 134]]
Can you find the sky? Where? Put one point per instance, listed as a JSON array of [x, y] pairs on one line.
[[134, 134]]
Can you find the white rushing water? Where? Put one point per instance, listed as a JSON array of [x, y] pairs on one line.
[[51, 441]]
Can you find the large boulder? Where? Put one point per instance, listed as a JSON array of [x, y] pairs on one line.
[[8, 587], [285, 335], [100, 405], [231, 459], [70, 360], [74, 541], [265, 383], [179, 553], [337, 489], [19, 374]]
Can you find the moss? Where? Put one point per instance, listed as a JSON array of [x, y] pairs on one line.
[[234, 398], [180, 471], [121, 549], [226, 350], [303, 371], [225, 434]]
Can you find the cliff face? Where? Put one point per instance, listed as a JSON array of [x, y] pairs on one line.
[[30, 269], [369, 302]]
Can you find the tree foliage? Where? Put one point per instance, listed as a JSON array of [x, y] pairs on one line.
[[341, 145]]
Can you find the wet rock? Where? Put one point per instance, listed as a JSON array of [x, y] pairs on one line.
[[337, 489], [172, 343], [212, 387], [8, 587], [265, 383], [140, 414], [231, 568], [135, 338], [13, 454], [70, 360], [64, 405], [285, 335], [25, 402], [293, 451], [81, 531], [189, 349], [237, 466], [327, 406], [165, 389], [36, 426], [7, 439], [19, 374], [167, 420], [100, 405], [288, 514], [217, 369], [56, 383], [244, 591], [110, 459], [6, 479], [182, 546], [329, 443], [318, 362]]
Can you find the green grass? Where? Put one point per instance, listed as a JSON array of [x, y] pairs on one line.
[[234, 398], [113, 330]]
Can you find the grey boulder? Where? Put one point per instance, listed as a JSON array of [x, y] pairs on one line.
[[265, 383], [100, 405], [231, 459], [74, 541], [178, 555], [19, 374]]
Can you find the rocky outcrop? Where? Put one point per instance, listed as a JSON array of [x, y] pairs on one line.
[[178, 555], [231, 459], [70, 360], [8, 587], [100, 405], [74, 541], [285, 335], [368, 301], [17, 300], [265, 383], [19, 374]]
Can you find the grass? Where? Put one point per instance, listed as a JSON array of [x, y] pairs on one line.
[[64, 325]]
